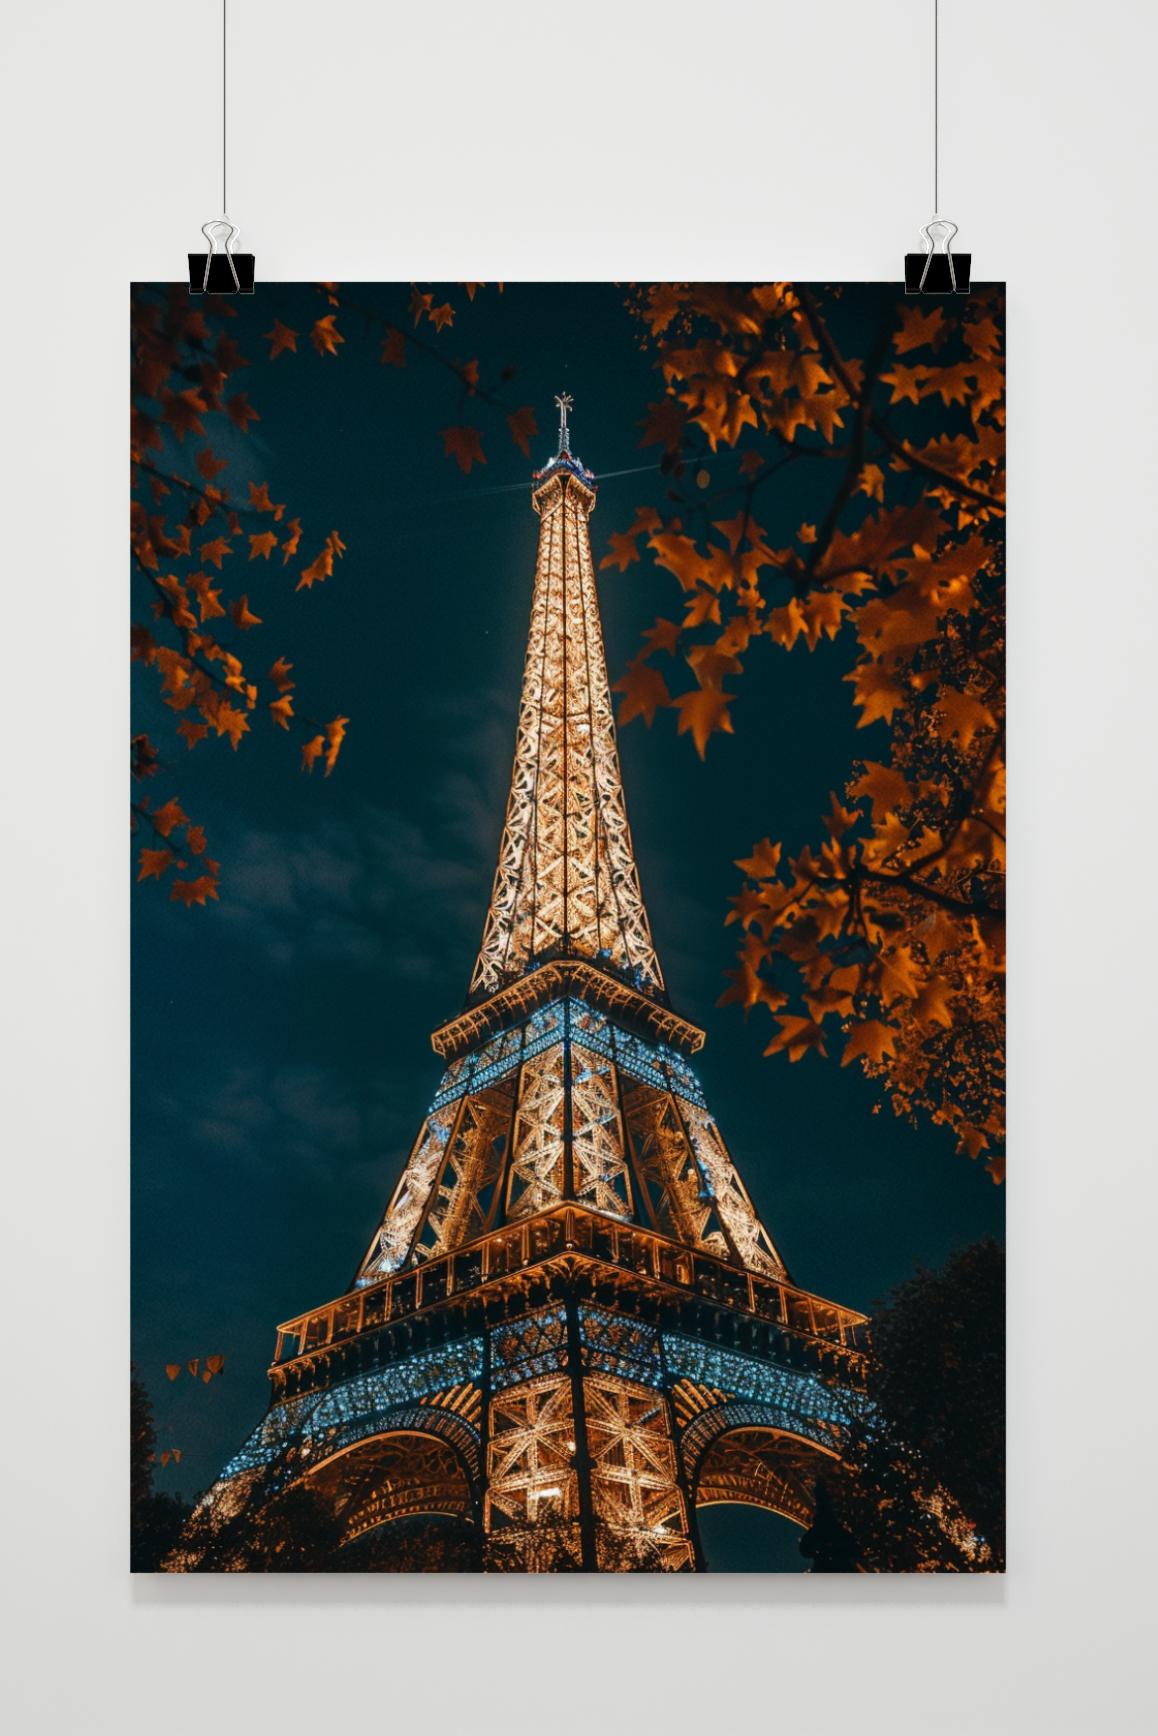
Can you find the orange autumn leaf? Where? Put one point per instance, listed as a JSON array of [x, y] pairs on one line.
[[210, 466], [242, 615], [319, 568], [165, 818], [262, 543], [624, 550], [394, 348], [190, 892], [440, 317], [523, 427], [325, 336], [702, 711], [464, 445], [282, 709], [241, 412], [191, 732], [335, 735], [871, 1038], [796, 1037], [172, 1369], [312, 752], [215, 551], [289, 547], [195, 840], [763, 863], [260, 501], [154, 863], [282, 337], [644, 691]]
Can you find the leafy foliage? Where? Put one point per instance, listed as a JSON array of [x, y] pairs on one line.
[[184, 529], [889, 929]]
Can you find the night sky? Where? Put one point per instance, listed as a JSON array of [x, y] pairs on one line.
[[281, 1038]]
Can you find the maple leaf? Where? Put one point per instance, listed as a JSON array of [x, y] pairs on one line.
[[312, 751], [172, 1369], [214, 552], [962, 715], [262, 543], [319, 568], [165, 818], [764, 861], [644, 691], [191, 731], [703, 606], [280, 674], [228, 720], [624, 550], [198, 891], [241, 412], [664, 636], [208, 600], [209, 466], [195, 840], [871, 1038], [154, 863], [394, 348], [215, 1364], [898, 976], [702, 711], [877, 692], [464, 445], [282, 709], [260, 502], [796, 1037], [335, 735], [282, 337], [665, 425], [871, 481], [906, 383], [289, 547], [242, 616], [325, 336], [523, 428], [441, 317], [183, 411], [919, 328], [884, 787]]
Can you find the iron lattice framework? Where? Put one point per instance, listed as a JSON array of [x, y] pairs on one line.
[[571, 1327]]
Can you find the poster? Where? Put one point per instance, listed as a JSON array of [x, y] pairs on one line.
[[432, 578]]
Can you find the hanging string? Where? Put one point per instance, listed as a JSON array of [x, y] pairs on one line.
[[224, 112], [936, 102]]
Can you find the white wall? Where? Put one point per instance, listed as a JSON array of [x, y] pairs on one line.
[[745, 138]]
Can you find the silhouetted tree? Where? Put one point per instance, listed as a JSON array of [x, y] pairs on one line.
[[925, 1489], [155, 1519]]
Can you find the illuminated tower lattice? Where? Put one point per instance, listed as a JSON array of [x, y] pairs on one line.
[[571, 1328]]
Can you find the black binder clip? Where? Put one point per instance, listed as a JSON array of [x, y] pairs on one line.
[[225, 273], [939, 271]]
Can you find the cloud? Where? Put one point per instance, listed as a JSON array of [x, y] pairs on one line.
[[400, 894]]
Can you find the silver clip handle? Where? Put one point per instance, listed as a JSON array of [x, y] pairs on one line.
[[939, 244], [232, 235]]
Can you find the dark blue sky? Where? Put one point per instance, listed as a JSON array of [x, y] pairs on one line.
[[282, 1061]]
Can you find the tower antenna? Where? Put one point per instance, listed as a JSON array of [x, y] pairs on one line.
[[565, 402]]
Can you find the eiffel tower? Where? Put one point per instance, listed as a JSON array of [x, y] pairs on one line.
[[571, 1329]]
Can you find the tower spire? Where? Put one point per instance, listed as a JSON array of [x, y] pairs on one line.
[[566, 882], [565, 402]]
